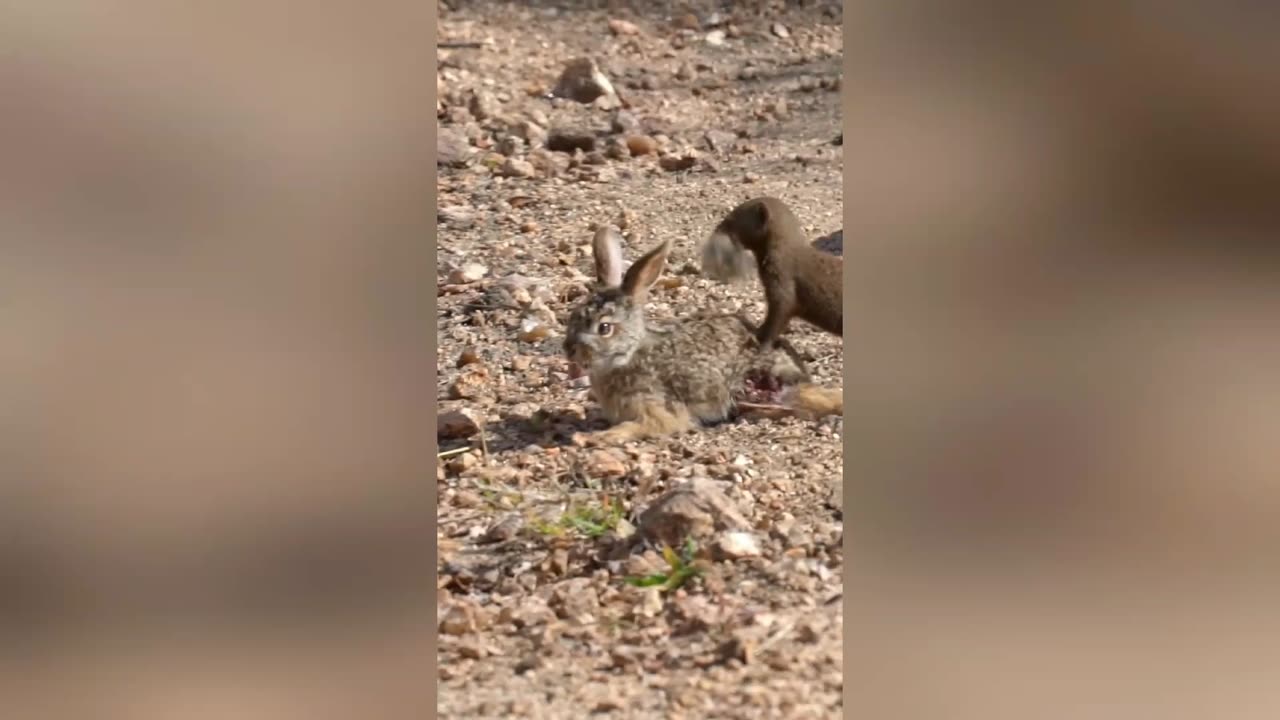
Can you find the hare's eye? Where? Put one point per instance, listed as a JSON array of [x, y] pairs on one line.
[[604, 329]]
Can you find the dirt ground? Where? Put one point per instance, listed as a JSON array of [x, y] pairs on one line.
[[543, 605]]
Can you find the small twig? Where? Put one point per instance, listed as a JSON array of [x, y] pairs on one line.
[[459, 44], [484, 446], [455, 451], [774, 638]]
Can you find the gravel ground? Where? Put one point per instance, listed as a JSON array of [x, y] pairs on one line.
[[546, 547]]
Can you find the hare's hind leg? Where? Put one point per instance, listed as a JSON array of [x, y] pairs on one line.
[[646, 418]]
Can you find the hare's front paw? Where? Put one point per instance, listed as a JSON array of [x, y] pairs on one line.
[[616, 435]]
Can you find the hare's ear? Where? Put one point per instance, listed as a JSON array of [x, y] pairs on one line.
[[607, 248], [644, 273]]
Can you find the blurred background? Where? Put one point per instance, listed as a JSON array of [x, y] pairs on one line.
[[215, 363], [1061, 484]]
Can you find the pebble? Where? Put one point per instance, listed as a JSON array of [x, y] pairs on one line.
[[529, 131], [457, 424], [515, 167], [624, 122], [469, 273], [607, 464], [688, 21], [453, 149], [641, 145], [720, 140], [677, 163], [510, 146], [570, 141], [623, 27], [482, 105], [456, 216], [692, 509]]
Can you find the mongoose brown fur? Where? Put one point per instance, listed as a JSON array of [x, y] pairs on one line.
[[799, 280]]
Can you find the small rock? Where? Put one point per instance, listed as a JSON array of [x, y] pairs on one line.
[[737, 648], [531, 611], [641, 145], [467, 499], [458, 115], [693, 509], [532, 331], [606, 102], [622, 27], [569, 141], [462, 463], [720, 140], [453, 149], [529, 663], [456, 216], [461, 619], [515, 167], [624, 122], [650, 602], [552, 164], [469, 273], [607, 464], [626, 656], [808, 632], [529, 227], [582, 81], [677, 163], [472, 650], [685, 72], [688, 21], [558, 563], [617, 149], [503, 530], [470, 383], [469, 356], [715, 38], [641, 565], [529, 131], [624, 529], [698, 613], [482, 105], [736, 545], [510, 146], [780, 30], [574, 599], [456, 424]]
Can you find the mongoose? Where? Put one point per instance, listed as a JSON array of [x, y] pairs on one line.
[[799, 280]]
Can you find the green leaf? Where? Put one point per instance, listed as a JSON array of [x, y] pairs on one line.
[[648, 580], [670, 556]]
